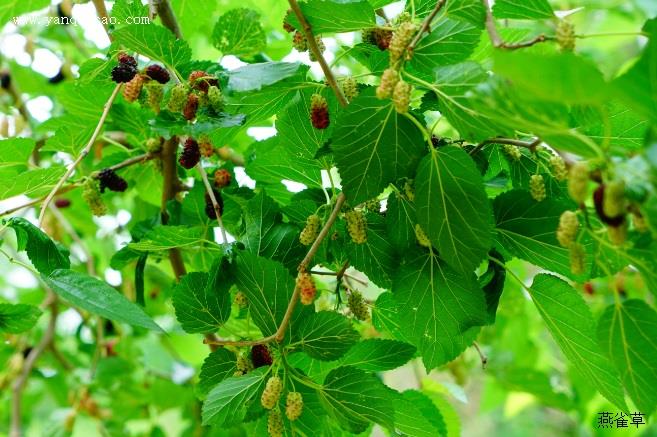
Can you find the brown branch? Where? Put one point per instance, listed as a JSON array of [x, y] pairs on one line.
[[280, 332], [28, 365], [312, 44], [168, 18], [425, 27], [81, 156], [497, 40], [213, 199], [482, 356], [140, 159], [101, 11], [33, 202]]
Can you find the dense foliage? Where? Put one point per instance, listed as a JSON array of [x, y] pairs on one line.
[[447, 227]]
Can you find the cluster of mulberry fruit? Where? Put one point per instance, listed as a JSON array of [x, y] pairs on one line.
[[201, 90], [378, 37], [275, 425], [349, 88], [272, 392], [513, 152], [125, 70], [401, 37], [559, 169], [356, 226], [311, 230], [537, 187], [578, 179], [307, 287], [565, 35], [568, 228], [293, 405], [300, 43], [91, 195], [319, 113], [357, 306], [108, 178]]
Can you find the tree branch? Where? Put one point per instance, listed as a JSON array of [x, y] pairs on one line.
[[213, 199], [81, 156], [312, 44], [280, 332], [425, 26], [497, 40], [531, 145], [168, 18], [101, 11], [28, 365]]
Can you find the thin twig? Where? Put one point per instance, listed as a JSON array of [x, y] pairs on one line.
[[497, 40], [280, 332], [81, 156], [425, 26], [531, 145], [168, 18], [33, 202], [213, 199], [101, 11], [134, 160], [482, 356], [312, 45], [28, 365]]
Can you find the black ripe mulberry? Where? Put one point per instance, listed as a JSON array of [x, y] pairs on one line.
[[209, 207], [123, 73], [126, 59], [319, 114], [190, 155], [62, 203], [191, 106], [158, 73], [5, 80], [260, 356], [109, 179]]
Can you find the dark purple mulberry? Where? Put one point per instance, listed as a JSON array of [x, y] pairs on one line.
[[123, 73], [127, 60], [158, 73], [109, 179], [209, 207], [260, 356], [190, 155]]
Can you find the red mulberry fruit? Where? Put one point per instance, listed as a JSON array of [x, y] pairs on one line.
[[190, 155], [209, 207], [189, 111], [158, 73], [207, 149], [201, 80], [319, 114], [222, 178], [299, 42], [260, 356], [108, 178], [62, 203], [306, 284]]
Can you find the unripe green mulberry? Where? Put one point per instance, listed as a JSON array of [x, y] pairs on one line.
[[373, 205], [155, 93], [349, 88], [613, 204], [153, 145], [275, 425], [537, 187], [272, 392], [293, 405], [389, 79], [559, 169], [311, 230], [215, 98], [357, 305], [617, 234], [578, 180], [409, 190], [320, 46], [240, 300], [357, 226], [401, 96], [568, 227], [91, 195], [299, 41], [512, 152], [421, 236], [577, 258], [565, 35], [400, 40], [178, 98], [243, 365]]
